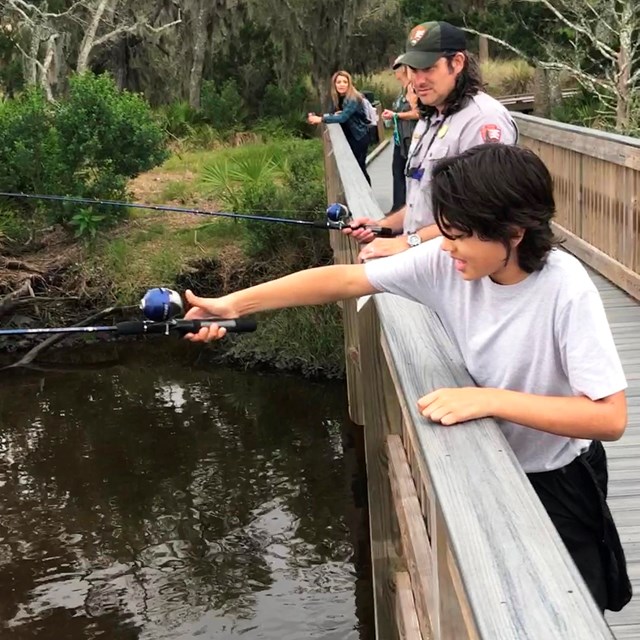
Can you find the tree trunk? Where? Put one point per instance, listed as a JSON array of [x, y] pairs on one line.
[[121, 55], [47, 74], [623, 72], [541, 91], [555, 89], [483, 54], [90, 37], [199, 27], [31, 62]]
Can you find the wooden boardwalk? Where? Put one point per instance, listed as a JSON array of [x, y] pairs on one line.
[[623, 312]]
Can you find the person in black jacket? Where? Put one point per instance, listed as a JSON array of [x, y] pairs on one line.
[[348, 111]]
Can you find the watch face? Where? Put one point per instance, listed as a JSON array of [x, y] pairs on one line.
[[414, 240]]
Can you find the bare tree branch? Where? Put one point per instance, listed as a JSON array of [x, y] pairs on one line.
[[604, 49], [578, 74]]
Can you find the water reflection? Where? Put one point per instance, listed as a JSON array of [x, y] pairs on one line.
[[158, 499]]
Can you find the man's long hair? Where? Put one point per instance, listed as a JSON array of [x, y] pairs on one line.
[[468, 83]]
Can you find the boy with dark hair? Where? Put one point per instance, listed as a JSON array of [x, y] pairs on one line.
[[531, 328]]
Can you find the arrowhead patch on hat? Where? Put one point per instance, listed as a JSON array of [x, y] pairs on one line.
[[417, 33]]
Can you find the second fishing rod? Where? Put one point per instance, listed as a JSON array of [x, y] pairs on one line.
[[337, 215]]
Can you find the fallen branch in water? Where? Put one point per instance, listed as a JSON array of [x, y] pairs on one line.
[[31, 355], [13, 299]]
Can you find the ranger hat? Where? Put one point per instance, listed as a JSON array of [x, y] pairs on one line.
[[429, 41]]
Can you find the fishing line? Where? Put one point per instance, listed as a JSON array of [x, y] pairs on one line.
[[338, 214]]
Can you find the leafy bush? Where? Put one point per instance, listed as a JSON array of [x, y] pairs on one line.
[[583, 109], [283, 180], [178, 118], [89, 145], [29, 144], [507, 77], [384, 86], [223, 107]]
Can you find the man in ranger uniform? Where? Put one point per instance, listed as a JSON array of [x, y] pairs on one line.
[[455, 116]]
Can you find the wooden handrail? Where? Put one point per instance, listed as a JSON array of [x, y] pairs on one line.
[[597, 188], [496, 568]]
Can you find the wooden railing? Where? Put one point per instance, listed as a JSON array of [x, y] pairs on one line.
[[597, 188], [461, 546]]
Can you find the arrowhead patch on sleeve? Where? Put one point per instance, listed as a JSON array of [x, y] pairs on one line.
[[491, 133]]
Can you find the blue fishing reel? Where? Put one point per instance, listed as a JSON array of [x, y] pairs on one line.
[[337, 212], [160, 304]]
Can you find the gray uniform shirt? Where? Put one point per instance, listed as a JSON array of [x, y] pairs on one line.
[[546, 335], [483, 119]]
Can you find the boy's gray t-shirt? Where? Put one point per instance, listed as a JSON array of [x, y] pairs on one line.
[[546, 335]]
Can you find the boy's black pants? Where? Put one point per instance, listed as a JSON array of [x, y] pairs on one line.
[[575, 499]]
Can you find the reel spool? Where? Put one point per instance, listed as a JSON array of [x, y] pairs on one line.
[[337, 212], [160, 304]]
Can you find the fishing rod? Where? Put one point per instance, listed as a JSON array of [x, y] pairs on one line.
[[338, 215], [160, 306]]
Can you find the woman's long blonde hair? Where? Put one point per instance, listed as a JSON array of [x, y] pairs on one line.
[[352, 92]]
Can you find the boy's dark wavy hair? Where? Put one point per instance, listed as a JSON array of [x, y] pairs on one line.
[[468, 83], [493, 191]]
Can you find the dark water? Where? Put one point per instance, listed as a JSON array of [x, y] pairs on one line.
[[161, 498]]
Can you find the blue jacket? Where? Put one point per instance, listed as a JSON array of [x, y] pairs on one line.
[[352, 118]]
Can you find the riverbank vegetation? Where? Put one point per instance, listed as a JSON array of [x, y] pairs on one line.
[[203, 105]]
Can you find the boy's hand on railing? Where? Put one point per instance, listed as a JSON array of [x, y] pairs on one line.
[[451, 406], [383, 247]]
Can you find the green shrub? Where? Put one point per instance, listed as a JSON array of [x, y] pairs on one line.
[[89, 145], [583, 109], [223, 107], [29, 145], [282, 180], [178, 118]]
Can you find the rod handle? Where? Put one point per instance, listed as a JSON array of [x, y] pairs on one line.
[[140, 327], [382, 232], [238, 325]]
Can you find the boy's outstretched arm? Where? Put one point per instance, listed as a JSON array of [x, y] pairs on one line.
[[309, 287]]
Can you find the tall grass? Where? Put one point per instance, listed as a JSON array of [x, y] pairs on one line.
[[506, 77], [153, 256]]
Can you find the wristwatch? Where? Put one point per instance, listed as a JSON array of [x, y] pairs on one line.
[[413, 239]]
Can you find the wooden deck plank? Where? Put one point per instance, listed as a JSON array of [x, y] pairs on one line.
[[627, 631], [624, 455]]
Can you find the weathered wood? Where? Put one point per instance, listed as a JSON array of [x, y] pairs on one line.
[[597, 191], [622, 150], [382, 419], [452, 600], [415, 542], [408, 627], [342, 251], [625, 278]]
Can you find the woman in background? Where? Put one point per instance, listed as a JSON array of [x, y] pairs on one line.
[[348, 111], [405, 115]]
